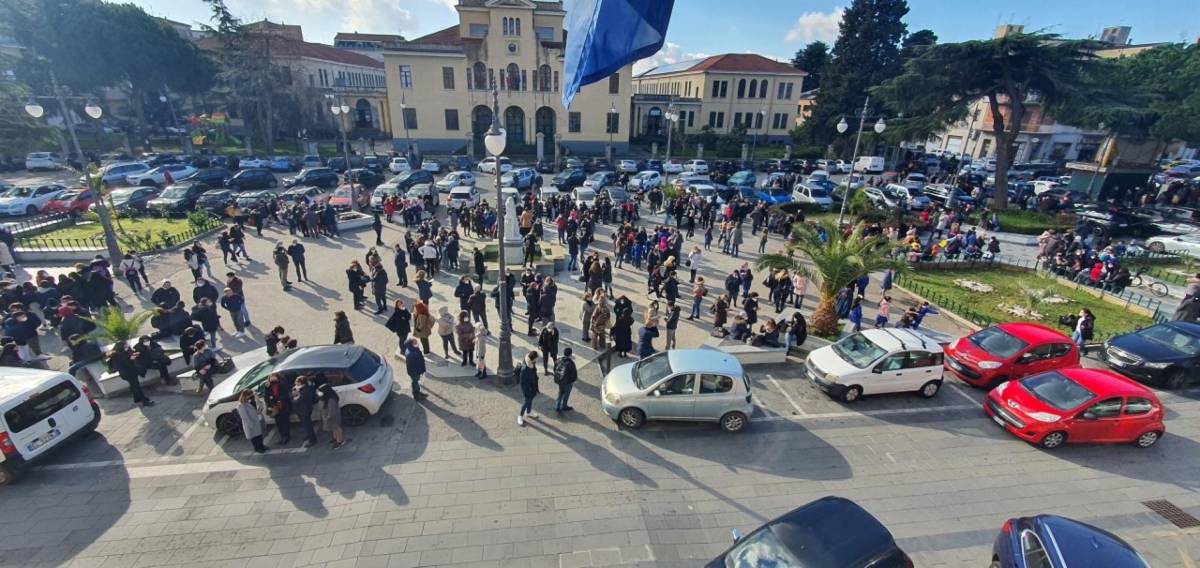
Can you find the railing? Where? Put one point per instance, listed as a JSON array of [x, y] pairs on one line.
[[1146, 261], [40, 223], [147, 242]]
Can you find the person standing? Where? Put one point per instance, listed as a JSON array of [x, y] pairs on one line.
[[121, 361], [885, 310], [1084, 330], [735, 240], [342, 333], [694, 259], [527, 375], [585, 315], [465, 334], [234, 283], [377, 225], [128, 268], [304, 401], [445, 329], [480, 266], [414, 364], [856, 313], [331, 413], [699, 291], [280, 257], [232, 303], [400, 323], [600, 319], [672, 324], [565, 375], [278, 399], [424, 286], [296, 252], [400, 259], [646, 339], [548, 343], [251, 419], [799, 288], [481, 334], [204, 363], [379, 282], [422, 324]]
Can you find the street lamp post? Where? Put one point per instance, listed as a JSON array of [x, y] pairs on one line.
[[494, 141], [762, 111], [340, 107], [609, 126], [672, 116], [842, 127], [174, 121], [95, 182]]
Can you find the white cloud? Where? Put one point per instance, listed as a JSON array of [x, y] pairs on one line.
[[816, 26], [670, 53], [366, 16], [449, 4], [378, 16]]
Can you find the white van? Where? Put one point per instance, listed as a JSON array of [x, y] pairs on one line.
[[1042, 186], [39, 412], [877, 361], [869, 164]]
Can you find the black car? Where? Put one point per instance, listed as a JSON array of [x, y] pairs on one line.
[[654, 166], [523, 179], [727, 167], [1167, 354], [406, 180], [460, 164], [179, 197], [374, 163], [832, 532], [320, 177], [338, 164], [365, 177], [1116, 221], [132, 199], [567, 180], [544, 166], [212, 177], [597, 165], [1051, 541], [155, 160], [781, 166], [215, 201], [745, 165], [251, 179]]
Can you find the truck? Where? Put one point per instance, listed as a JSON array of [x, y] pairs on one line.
[[869, 164]]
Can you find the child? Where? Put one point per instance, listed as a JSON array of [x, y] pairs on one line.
[[885, 309]]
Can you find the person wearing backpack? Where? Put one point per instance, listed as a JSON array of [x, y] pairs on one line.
[[565, 375], [527, 376]]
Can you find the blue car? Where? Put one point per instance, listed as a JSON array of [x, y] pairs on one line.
[[1050, 541], [774, 195], [743, 177], [282, 164]]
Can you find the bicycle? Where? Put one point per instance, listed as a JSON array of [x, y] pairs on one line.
[[1148, 282]]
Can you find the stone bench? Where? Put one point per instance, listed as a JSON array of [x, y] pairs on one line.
[[109, 384], [189, 382]]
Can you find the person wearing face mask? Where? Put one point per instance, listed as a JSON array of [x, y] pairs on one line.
[[278, 398], [151, 356], [22, 327], [165, 296], [122, 361]]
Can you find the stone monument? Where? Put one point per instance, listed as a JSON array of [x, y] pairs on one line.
[[513, 243]]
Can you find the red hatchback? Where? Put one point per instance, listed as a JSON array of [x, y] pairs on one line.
[[71, 201], [1077, 405], [1008, 351]]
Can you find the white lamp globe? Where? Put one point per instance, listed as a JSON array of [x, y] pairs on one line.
[[495, 141], [842, 127], [345, 109], [93, 110], [335, 109], [35, 110], [879, 126]]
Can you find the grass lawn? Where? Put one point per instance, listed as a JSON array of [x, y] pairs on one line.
[[1111, 319], [85, 230], [1032, 222]]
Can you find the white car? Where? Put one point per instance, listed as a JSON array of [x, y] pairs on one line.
[[460, 197], [627, 166], [818, 175], [116, 173], [431, 166], [705, 191], [455, 179], [361, 379], [548, 192], [399, 165], [816, 195], [915, 181], [696, 166], [311, 161], [28, 200], [488, 165], [40, 412], [877, 361], [646, 180], [1188, 244], [843, 166], [584, 196], [43, 161], [673, 167], [158, 176], [247, 162], [916, 200]]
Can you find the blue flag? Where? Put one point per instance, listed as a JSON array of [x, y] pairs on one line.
[[606, 35]]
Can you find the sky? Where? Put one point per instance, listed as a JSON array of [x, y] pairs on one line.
[[774, 28]]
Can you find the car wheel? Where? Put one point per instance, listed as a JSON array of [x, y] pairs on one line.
[[1177, 380], [354, 415], [7, 475], [31, 210], [733, 422], [230, 425], [1147, 439], [1053, 439], [852, 394], [1158, 247], [631, 418], [930, 389]]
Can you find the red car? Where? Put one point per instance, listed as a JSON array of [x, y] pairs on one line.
[[1009, 351], [340, 200], [1077, 405], [72, 201]]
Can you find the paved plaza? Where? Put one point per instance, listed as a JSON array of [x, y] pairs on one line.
[[454, 481]]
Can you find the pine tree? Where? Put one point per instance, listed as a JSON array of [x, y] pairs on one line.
[[813, 59]]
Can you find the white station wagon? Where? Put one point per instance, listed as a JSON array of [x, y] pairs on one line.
[[877, 361]]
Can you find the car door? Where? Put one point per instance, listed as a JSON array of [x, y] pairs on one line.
[[673, 398], [923, 366], [888, 375], [1030, 362], [1136, 417], [715, 398], [1099, 422]]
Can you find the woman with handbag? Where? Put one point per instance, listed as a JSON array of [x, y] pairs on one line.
[[278, 399], [252, 420]]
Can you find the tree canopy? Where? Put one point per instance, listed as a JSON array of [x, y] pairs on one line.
[[813, 59], [916, 42]]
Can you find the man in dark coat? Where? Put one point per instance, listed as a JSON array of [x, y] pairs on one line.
[[165, 296], [205, 289], [400, 259], [379, 281], [414, 363], [527, 376], [565, 375]]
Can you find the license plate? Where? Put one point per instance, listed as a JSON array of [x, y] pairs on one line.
[[43, 440], [999, 421], [954, 364]]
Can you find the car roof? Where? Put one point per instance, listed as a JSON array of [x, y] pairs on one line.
[[18, 381], [1033, 332], [321, 356], [1106, 383], [1081, 543], [832, 531], [897, 339], [704, 361]]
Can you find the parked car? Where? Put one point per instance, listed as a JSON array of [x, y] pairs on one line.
[[399, 165], [831, 532], [597, 165], [309, 195], [682, 181], [877, 361], [1166, 354], [567, 180], [158, 176], [405, 181], [544, 166], [365, 177], [673, 167], [1050, 541], [706, 190], [212, 177], [361, 379], [819, 196], [178, 198], [654, 166], [43, 161], [215, 201], [245, 162], [253, 178], [282, 164], [600, 179], [680, 384], [696, 166], [524, 179], [338, 163], [462, 196], [455, 179], [252, 199], [915, 181], [72, 202], [615, 194], [488, 165], [773, 195], [155, 159], [572, 164], [320, 177], [584, 197], [28, 199], [627, 166], [646, 180], [1182, 244], [431, 165], [1009, 351], [373, 163], [115, 173], [1079, 406], [940, 194], [427, 192], [460, 163], [311, 161], [869, 164], [1117, 221], [743, 178], [880, 199], [909, 195], [41, 412], [132, 199], [777, 165]]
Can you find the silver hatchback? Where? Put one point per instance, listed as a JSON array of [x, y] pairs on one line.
[[681, 384]]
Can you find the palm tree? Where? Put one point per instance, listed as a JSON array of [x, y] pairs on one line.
[[112, 325], [836, 262]]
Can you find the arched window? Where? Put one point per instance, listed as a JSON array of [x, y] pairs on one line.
[[741, 88], [504, 26], [517, 28], [513, 75], [762, 89], [543, 80], [480, 72], [753, 88]]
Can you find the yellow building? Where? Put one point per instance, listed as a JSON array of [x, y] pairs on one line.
[[804, 106], [439, 86], [722, 92]]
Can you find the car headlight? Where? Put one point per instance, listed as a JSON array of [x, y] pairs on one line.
[[1162, 365], [831, 378], [1044, 417], [990, 364], [612, 398]]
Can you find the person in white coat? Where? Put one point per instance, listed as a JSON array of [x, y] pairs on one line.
[[252, 420], [694, 259]]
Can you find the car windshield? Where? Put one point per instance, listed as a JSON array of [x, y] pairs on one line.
[[996, 341], [817, 192], [762, 549], [342, 193], [175, 192], [365, 367], [652, 369], [704, 190], [17, 192], [780, 191], [585, 194], [67, 195], [120, 194], [1057, 391], [858, 350], [1171, 338], [211, 198], [461, 194], [258, 373]]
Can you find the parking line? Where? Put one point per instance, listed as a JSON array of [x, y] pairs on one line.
[[799, 410], [958, 390], [869, 413]]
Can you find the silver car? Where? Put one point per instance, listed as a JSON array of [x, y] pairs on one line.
[[681, 384]]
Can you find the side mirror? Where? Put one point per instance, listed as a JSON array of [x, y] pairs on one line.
[[876, 370], [1087, 415], [657, 393], [737, 535]]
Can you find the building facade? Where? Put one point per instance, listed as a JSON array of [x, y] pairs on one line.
[[371, 45], [721, 92], [439, 86]]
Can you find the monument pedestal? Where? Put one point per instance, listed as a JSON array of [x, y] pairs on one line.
[[514, 252]]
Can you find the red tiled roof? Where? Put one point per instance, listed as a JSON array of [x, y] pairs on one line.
[[744, 63], [287, 47], [448, 36]]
